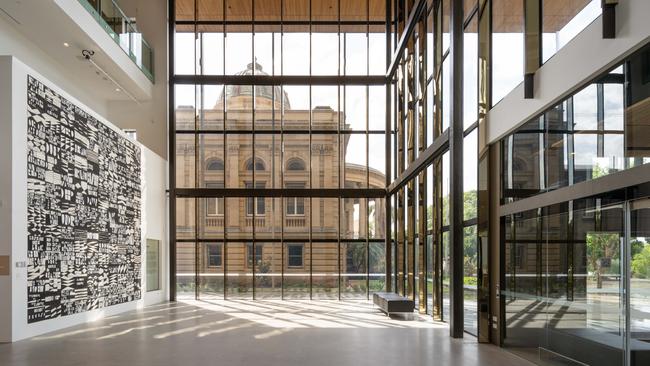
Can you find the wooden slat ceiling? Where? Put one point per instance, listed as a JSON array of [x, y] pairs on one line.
[[270, 10], [507, 14]]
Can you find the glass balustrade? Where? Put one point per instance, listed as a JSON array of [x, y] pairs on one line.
[[124, 32]]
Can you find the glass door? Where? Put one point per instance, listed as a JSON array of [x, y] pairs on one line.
[[639, 285]]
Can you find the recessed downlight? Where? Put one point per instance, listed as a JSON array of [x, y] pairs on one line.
[[66, 44], [118, 89]]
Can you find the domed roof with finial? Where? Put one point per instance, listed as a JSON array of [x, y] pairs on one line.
[[261, 91]]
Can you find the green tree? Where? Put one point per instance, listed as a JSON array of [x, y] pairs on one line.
[[641, 263], [602, 251]]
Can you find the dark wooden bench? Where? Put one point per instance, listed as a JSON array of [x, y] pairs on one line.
[[390, 303]]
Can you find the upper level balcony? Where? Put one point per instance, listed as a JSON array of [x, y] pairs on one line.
[[123, 30]]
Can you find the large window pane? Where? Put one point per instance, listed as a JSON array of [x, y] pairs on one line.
[[562, 20], [507, 47], [353, 278], [325, 270]]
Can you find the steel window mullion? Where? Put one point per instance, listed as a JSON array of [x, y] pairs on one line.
[[280, 79]]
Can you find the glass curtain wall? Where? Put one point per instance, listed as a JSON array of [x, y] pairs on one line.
[[420, 162], [278, 148], [598, 131], [575, 283]]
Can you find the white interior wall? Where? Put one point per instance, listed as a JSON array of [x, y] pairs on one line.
[[5, 194], [14, 43], [153, 211]]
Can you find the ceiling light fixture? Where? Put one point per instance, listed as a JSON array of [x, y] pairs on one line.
[[66, 44]]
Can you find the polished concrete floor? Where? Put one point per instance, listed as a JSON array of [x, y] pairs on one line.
[[263, 333]]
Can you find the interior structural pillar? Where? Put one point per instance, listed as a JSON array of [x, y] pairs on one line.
[[456, 172]]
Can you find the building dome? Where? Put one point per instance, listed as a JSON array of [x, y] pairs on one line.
[[234, 92]]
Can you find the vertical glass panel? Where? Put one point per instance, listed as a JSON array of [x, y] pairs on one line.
[[377, 53], [614, 106], [239, 51], [507, 47], [263, 53], [325, 270], [432, 219], [239, 217], [470, 280], [185, 106], [239, 160], [268, 270], [211, 261], [376, 218], [355, 111], [210, 159], [377, 267], [297, 264], [325, 56], [296, 215], [239, 106], [353, 277], [268, 150], [446, 94], [324, 161], [324, 218], [377, 161], [212, 44], [585, 108], [296, 161], [185, 218], [470, 73], [356, 54], [210, 116], [446, 8], [640, 270], [445, 189], [185, 270], [211, 214], [377, 108], [430, 113], [295, 51], [446, 263], [355, 174], [557, 146], [563, 20], [586, 157], [185, 159], [354, 218], [324, 107], [296, 107], [268, 218], [185, 53], [239, 274], [470, 178]]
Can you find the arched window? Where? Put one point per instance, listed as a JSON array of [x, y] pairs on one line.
[[215, 164], [295, 164], [259, 164]]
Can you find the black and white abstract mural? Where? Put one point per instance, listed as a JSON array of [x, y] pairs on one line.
[[83, 192]]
